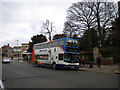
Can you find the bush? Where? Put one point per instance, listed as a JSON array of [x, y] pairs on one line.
[[113, 52]]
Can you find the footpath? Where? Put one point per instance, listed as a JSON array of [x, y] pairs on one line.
[[113, 69]]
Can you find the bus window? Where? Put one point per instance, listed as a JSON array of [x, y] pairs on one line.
[[74, 58], [72, 49], [71, 42], [60, 57]]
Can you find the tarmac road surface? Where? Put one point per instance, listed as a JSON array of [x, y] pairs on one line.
[[24, 75]]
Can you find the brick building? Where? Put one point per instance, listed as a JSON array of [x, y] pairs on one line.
[[7, 51]]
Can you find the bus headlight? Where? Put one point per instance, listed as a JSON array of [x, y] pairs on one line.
[[65, 63]]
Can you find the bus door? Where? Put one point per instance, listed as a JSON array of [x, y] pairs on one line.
[[60, 58]]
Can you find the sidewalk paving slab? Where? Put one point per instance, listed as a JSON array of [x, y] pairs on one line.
[[103, 69]]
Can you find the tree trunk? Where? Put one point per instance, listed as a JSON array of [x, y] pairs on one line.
[[98, 24]]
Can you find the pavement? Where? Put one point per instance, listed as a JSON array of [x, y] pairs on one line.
[[113, 69], [110, 69]]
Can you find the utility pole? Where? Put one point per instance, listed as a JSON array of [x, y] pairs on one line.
[[17, 49]]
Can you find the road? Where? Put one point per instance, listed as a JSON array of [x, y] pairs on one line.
[[24, 75]]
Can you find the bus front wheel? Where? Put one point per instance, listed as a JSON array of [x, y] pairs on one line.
[[54, 66]]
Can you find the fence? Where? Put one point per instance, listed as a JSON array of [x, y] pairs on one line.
[[107, 61]]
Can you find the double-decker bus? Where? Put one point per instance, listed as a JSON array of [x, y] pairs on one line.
[[59, 53]]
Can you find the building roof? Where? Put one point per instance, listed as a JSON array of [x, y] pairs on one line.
[[17, 47]]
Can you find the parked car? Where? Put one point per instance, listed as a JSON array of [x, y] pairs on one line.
[[6, 60]]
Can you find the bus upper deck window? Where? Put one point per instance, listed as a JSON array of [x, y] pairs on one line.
[[70, 42]]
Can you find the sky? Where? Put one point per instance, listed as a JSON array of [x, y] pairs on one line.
[[22, 19]]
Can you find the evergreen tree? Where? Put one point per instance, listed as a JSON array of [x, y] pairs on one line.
[[36, 39], [58, 36], [89, 40]]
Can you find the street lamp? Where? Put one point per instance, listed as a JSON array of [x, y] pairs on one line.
[[17, 49]]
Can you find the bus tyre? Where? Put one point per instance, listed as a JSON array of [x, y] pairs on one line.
[[54, 66]]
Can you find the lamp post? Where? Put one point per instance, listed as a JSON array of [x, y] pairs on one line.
[[17, 49]]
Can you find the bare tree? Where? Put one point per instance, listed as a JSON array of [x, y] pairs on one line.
[[47, 28], [81, 14], [105, 13], [98, 15], [70, 29]]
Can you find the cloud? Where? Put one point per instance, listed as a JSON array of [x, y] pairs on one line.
[[32, 12], [21, 19]]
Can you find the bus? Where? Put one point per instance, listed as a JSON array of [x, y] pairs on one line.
[[59, 53]]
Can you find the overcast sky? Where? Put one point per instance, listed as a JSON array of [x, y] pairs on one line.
[[21, 19]]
